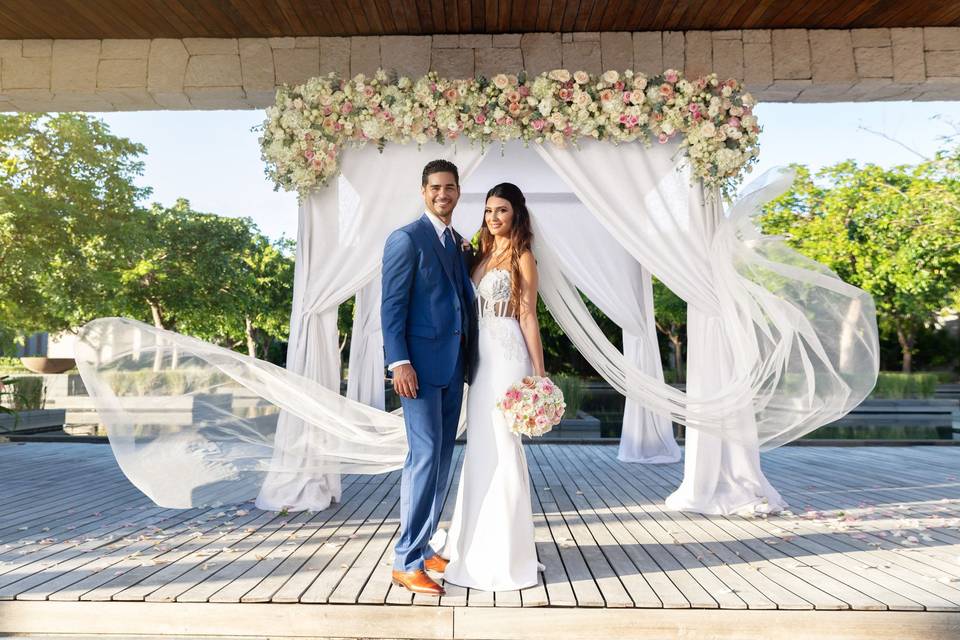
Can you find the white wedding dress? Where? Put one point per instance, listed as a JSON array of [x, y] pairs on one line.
[[490, 543]]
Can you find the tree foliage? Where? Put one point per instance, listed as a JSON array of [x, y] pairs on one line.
[[893, 232], [67, 218], [76, 244]]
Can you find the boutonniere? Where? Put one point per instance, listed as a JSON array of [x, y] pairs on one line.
[[465, 246]]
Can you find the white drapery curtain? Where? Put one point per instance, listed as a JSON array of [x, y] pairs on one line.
[[792, 347], [338, 254], [778, 345], [620, 287]]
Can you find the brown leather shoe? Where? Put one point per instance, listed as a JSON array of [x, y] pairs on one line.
[[418, 582], [436, 563]]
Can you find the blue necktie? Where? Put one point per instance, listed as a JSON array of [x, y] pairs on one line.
[[450, 245]]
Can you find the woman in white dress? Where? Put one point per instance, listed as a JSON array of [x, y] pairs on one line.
[[490, 544]]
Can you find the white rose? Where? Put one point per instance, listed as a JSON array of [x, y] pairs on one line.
[[610, 76], [581, 77], [708, 130], [560, 75], [501, 81]]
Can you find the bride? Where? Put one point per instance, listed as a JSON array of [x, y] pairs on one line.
[[490, 544]]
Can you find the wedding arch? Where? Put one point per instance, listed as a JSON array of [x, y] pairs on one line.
[[778, 344]]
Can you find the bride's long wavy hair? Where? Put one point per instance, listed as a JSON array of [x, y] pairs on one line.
[[521, 235]]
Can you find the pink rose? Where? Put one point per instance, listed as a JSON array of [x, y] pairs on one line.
[[480, 118], [671, 75], [538, 124], [734, 122], [663, 138], [346, 107]]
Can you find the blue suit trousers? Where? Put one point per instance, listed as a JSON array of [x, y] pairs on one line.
[[431, 421]]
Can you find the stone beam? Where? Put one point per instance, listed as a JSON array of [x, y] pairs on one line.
[[788, 65]]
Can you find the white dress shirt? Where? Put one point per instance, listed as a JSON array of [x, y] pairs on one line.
[[441, 229]]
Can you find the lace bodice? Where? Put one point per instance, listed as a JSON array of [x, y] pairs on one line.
[[493, 294]]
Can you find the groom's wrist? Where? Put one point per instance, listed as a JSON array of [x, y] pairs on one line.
[[394, 365]]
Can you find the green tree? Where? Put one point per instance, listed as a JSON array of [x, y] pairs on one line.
[[211, 276], [893, 232], [670, 312], [68, 214]]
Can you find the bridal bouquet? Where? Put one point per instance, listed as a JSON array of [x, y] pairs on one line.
[[532, 406]]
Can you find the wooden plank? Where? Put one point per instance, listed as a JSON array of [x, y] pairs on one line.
[[268, 587], [72, 551], [323, 550], [837, 564], [604, 575], [343, 558], [216, 566], [581, 580], [698, 585], [48, 583], [243, 574], [764, 577], [130, 572]]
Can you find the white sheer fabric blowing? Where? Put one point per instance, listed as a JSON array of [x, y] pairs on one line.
[[620, 287], [800, 345], [192, 423]]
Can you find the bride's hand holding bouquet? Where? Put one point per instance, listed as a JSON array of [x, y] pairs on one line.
[[532, 406]]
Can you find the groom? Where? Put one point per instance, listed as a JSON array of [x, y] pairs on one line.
[[429, 323]]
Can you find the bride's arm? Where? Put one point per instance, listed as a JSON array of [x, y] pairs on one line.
[[529, 325]]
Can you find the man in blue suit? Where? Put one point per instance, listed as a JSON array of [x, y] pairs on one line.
[[429, 322]]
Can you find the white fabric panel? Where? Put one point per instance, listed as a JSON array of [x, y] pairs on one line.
[[614, 281], [339, 249], [806, 341], [365, 380]]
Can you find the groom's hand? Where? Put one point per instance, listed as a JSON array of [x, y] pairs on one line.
[[405, 381]]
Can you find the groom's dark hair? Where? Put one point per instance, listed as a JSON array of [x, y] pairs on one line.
[[440, 166]]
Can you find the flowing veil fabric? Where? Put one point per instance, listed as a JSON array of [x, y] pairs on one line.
[[798, 346], [194, 424]]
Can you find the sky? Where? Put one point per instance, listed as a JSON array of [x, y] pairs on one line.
[[212, 158]]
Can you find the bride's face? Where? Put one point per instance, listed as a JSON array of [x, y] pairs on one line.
[[498, 216]]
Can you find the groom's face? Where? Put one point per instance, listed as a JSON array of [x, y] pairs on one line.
[[441, 193]]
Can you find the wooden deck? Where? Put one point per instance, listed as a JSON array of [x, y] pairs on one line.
[[872, 548]]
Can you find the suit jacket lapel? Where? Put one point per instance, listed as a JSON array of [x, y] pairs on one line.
[[430, 236]]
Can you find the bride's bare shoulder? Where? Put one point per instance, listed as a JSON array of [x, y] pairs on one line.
[[528, 259]]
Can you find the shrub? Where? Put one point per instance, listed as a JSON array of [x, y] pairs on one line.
[[895, 385], [572, 388], [25, 393]]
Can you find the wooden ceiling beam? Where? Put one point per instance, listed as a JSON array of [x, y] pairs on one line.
[[94, 19]]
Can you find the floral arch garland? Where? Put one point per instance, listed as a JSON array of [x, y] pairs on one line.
[[309, 124]]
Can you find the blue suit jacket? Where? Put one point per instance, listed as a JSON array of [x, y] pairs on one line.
[[422, 315]]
